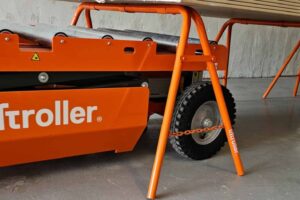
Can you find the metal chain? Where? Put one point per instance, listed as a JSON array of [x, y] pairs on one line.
[[200, 130]]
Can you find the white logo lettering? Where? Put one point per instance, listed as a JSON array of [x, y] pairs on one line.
[[233, 141], [63, 114]]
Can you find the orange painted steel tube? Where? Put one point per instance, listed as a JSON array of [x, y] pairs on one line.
[[219, 94], [77, 14], [165, 129], [228, 45], [282, 68], [229, 24], [168, 114], [164, 133], [254, 22], [297, 84], [131, 8], [88, 19]]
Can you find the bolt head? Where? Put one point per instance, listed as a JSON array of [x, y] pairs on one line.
[[214, 59], [145, 84], [207, 123], [43, 77]]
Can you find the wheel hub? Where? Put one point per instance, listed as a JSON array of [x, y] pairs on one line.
[[207, 115], [207, 123]]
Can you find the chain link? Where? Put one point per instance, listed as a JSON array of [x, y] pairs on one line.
[[195, 131]]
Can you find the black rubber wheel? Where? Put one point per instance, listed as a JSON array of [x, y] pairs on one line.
[[6, 31], [197, 108]]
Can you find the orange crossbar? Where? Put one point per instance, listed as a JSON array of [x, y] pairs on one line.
[[229, 24]]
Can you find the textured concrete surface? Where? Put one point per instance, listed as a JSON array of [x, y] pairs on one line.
[[268, 134], [257, 51]]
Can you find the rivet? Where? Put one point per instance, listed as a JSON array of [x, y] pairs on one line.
[[145, 84], [6, 39], [43, 77], [213, 59]]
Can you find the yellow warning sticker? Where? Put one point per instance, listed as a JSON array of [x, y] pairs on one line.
[[35, 57]]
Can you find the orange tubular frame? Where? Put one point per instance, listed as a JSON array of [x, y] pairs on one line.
[[229, 24], [297, 84], [282, 68], [187, 14]]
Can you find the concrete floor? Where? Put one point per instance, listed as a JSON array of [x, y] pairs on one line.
[[268, 135]]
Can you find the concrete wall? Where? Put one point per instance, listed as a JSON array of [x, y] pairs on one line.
[[256, 52]]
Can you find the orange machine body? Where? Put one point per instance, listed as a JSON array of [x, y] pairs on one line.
[[42, 125], [124, 110], [98, 55], [129, 106]]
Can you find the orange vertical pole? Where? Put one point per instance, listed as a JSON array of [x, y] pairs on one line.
[[228, 44], [88, 18], [297, 84], [77, 15], [223, 29], [83, 7], [282, 68], [168, 114], [219, 94]]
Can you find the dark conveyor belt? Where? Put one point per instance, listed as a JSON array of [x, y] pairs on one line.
[[44, 33]]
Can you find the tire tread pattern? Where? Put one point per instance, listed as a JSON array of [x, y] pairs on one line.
[[183, 144]]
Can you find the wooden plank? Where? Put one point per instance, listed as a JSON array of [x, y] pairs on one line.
[[250, 6], [264, 10], [265, 4], [229, 11]]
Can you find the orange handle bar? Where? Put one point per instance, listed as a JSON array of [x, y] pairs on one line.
[[160, 9]]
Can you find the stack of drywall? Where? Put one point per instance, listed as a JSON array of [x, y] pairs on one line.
[[283, 10]]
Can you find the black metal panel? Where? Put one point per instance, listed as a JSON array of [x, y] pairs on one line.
[[28, 81]]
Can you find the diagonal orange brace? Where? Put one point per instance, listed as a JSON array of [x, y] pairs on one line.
[[297, 84], [208, 57], [219, 94], [282, 68], [229, 25], [165, 128]]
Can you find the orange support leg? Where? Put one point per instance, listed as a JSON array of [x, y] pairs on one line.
[[297, 84], [231, 22], [88, 19], [165, 128], [219, 94], [286, 62], [175, 80], [228, 45]]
